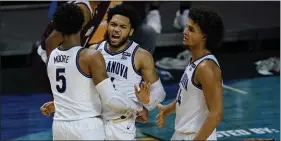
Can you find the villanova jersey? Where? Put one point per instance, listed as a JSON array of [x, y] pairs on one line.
[[75, 95], [121, 69], [191, 107]]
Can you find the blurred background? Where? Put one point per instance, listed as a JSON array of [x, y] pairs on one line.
[[249, 57]]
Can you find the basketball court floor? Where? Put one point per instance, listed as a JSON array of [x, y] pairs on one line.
[[251, 110], [251, 106]]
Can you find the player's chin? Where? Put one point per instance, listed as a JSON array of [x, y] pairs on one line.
[[114, 44], [185, 43]]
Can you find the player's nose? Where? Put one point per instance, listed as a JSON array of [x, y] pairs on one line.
[[185, 32]]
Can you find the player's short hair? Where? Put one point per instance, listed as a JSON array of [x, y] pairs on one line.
[[127, 11], [210, 24], [68, 19]]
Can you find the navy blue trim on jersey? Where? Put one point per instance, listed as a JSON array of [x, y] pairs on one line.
[[199, 86], [213, 61], [192, 62], [65, 49], [133, 61], [217, 66], [97, 47], [78, 66], [115, 53], [189, 62]]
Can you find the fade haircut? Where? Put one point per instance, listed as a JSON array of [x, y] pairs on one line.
[[68, 19]]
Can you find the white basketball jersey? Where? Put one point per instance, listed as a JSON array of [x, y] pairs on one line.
[[120, 67], [191, 107], [75, 95]]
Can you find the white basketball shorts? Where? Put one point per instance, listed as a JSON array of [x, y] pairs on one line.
[[86, 129]]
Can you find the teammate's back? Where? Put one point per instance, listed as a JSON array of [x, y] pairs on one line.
[[79, 82], [74, 92], [76, 100]]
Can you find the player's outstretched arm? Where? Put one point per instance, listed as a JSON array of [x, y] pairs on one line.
[[208, 74], [55, 38], [104, 85], [157, 93]]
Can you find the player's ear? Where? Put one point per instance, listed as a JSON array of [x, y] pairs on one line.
[[131, 32], [204, 37]]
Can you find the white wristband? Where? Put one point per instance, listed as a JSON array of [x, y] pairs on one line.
[[114, 99]]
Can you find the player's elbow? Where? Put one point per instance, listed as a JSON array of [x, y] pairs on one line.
[[220, 113], [217, 115]]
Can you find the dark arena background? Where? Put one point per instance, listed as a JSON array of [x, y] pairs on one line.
[[249, 58]]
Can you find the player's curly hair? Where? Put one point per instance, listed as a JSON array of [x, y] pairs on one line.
[[68, 19], [210, 24], [127, 11]]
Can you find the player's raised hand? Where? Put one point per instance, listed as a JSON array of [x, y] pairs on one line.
[[47, 108], [161, 116], [143, 93]]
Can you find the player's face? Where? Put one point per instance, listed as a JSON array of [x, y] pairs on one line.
[[119, 30], [193, 35]]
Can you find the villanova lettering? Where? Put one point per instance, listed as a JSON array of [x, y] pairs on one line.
[[184, 81], [61, 58], [117, 68]]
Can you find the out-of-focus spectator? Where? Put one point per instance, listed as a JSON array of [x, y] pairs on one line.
[[154, 17]]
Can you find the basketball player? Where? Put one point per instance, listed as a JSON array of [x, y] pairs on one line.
[[127, 64], [94, 28], [52, 38], [78, 79], [199, 103]]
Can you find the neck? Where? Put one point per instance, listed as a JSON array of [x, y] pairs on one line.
[[198, 52], [116, 49], [70, 41]]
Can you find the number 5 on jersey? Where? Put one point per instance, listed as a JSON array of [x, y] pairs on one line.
[[60, 78]]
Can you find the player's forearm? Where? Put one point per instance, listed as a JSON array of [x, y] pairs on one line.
[[170, 108], [121, 103], [52, 42], [157, 95], [208, 126], [115, 99]]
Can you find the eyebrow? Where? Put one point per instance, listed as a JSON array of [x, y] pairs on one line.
[[123, 25], [190, 27]]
